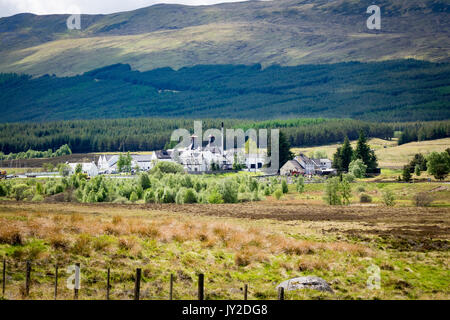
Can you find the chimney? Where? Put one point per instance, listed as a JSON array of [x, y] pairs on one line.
[[223, 140], [193, 137]]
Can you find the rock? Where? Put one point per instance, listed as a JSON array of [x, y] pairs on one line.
[[309, 282]]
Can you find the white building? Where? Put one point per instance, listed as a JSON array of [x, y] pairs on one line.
[[195, 158], [306, 166], [88, 168]]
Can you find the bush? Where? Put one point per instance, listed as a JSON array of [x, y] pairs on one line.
[[82, 245], [167, 167], [365, 198], [439, 164], [228, 191], [3, 190], [284, 186], [357, 168], [186, 196], [388, 198], [149, 196], [360, 189], [144, 181], [37, 198], [332, 194], [349, 177], [278, 194], [19, 191], [300, 184], [215, 197], [406, 173], [422, 199], [134, 197]]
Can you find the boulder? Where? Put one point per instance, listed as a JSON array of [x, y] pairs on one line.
[[309, 282]]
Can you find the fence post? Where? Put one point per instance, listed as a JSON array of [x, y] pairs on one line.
[[245, 291], [280, 293], [171, 287], [137, 284], [28, 279], [56, 282], [107, 284], [201, 280], [4, 277], [77, 281]]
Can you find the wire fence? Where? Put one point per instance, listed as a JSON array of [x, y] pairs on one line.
[[27, 280]]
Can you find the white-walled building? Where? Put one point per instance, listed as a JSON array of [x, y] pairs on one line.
[[89, 168]]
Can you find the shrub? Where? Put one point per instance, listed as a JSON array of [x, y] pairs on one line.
[[3, 190], [278, 194], [360, 189], [357, 168], [300, 184], [39, 188], [11, 235], [167, 196], [365, 198], [190, 196], [144, 181], [349, 177], [332, 194], [422, 199], [149, 196], [284, 186], [59, 241], [439, 164], [215, 197], [167, 167], [388, 198], [228, 191], [19, 191], [82, 245], [406, 173], [134, 197], [37, 198]]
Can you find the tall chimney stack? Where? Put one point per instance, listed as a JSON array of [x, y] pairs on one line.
[[223, 140]]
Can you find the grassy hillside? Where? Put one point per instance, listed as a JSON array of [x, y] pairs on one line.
[[285, 32], [389, 154], [405, 90]]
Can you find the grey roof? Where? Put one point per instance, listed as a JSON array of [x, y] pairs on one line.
[[163, 154], [142, 157], [294, 163], [306, 160]]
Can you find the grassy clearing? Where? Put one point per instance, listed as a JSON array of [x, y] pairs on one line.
[[230, 251]]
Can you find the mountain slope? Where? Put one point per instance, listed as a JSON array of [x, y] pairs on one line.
[[284, 32], [382, 91]]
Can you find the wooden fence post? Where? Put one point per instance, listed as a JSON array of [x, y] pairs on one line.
[[280, 293], [4, 277], [171, 287], [28, 279], [107, 284], [201, 280], [56, 282], [137, 284], [245, 291], [77, 280]]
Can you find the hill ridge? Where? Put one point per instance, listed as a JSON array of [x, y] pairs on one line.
[[284, 32]]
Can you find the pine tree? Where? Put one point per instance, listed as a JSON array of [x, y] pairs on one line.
[[406, 174], [343, 156], [364, 152]]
